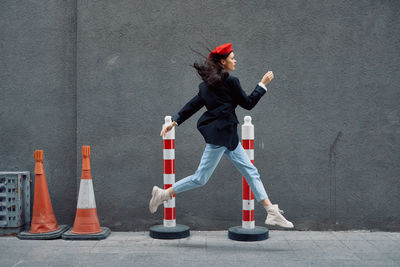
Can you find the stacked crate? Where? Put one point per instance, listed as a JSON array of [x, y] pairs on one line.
[[14, 202]]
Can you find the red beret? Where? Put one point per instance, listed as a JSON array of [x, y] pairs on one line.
[[222, 49]]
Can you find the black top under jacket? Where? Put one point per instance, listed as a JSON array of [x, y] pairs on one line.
[[218, 124]]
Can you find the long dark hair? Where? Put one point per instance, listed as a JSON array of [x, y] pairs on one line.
[[211, 70]]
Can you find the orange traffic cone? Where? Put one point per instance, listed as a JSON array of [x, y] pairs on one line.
[[86, 225], [44, 224]]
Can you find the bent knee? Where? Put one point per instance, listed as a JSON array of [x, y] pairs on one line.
[[200, 180], [251, 169]]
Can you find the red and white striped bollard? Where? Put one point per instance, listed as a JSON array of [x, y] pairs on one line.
[[169, 229], [169, 173], [248, 231], [247, 194]]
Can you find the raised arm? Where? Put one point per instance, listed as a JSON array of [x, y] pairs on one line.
[[191, 107], [247, 101]]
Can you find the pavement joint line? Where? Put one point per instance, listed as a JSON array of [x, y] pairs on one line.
[[349, 249], [95, 245], [372, 244]]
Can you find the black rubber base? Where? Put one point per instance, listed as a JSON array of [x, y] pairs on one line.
[[102, 235], [239, 233], [161, 232], [44, 236]]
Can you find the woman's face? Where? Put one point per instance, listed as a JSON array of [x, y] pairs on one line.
[[229, 63]]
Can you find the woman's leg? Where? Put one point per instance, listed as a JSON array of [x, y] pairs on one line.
[[242, 162], [266, 202], [211, 156]]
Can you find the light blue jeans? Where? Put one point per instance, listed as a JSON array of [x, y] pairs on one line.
[[210, 159]]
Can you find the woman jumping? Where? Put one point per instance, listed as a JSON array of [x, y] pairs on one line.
[[221, 93]]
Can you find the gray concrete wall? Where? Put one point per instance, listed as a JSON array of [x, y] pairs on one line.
[[38, 94], [327, 132]]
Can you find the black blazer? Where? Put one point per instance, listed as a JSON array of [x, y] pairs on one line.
[[218, 124]]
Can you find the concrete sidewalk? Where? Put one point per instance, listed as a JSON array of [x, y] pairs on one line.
[[283, 248]]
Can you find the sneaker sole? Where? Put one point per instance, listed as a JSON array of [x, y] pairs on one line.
[[151, 200], [275, 224]]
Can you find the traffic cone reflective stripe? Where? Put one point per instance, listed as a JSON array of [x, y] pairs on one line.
[[43, 218], [86, 198]]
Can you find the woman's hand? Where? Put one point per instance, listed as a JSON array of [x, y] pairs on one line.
[[267, 77], [167, 128]]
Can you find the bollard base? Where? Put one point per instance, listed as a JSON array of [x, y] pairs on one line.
[[162, 232], [239, 233], [69, 235], [25, 235]]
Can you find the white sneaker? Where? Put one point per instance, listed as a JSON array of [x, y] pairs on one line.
[[275, 217], [158, 196]]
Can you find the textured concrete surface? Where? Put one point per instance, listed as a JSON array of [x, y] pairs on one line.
[[105, 74], [38, 94], [283, 248]]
